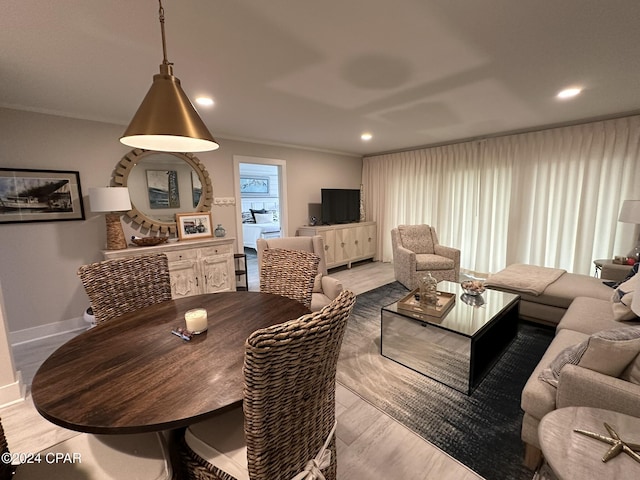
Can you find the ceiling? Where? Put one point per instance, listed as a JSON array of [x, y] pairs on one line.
[[318, 74]]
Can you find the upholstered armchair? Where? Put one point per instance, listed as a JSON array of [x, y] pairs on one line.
[[416, 251], [325, 288]]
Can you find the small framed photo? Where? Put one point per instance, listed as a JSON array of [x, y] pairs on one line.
[[194, 225], [39, 195]]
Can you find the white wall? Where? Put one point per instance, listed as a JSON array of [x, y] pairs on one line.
[[38, 261]]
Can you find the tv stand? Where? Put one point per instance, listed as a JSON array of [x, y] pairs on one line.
[[344, 243]]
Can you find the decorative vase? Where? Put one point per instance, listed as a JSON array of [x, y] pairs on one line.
[[428, 290], [219, 231]]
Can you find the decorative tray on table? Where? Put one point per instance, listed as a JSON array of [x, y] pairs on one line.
[[410, 303]]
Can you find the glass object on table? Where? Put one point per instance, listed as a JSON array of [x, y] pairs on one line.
[[219, 231], [428, 290]]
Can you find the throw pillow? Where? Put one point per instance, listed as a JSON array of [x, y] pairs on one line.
[[622, 298], [253, 212], [247, 217], [263, 217], [317, 284], [608, 352], [632, 372], [635, 302]]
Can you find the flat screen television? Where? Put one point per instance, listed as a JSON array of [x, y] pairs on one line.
[[340, 205]]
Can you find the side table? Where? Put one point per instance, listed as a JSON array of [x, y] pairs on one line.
[[573, 456], [242, 277], [617, 267]]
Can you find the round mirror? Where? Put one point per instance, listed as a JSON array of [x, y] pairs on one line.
[[162, 184]]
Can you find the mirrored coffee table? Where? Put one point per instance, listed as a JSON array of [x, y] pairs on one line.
[[459, 348]]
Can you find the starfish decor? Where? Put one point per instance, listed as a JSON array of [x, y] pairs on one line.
[[617, 444]]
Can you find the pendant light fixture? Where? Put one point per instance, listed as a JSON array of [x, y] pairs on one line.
[[166, 120]]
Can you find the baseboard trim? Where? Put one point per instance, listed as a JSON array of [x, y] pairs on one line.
[[13, 393], [43, 331]]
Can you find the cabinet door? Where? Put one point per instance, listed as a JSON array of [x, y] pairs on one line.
[[184, 278], [360, 241], [345, 244], [370, 239], [215, 273], [329, 238]]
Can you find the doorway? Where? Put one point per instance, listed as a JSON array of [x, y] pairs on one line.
[[261, 207]]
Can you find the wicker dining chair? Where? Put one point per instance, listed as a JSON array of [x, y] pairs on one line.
[[142, 456], [287, 423], [6, 469], [325, 287], [290, 273], [123, 285]]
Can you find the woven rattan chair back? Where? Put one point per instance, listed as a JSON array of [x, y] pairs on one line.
[[124, 285], [289, 393], [289, 273], [6, 469]]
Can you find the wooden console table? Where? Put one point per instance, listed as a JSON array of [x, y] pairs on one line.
[[195, 266], [346, 243]]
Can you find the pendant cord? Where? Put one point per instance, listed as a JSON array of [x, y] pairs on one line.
[[164, 42]]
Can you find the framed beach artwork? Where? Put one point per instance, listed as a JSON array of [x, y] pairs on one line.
[[40, 195], [254, 186], [162, 186], [194, 225]]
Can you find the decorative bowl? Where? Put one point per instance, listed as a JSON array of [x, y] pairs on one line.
[[148, 241], [473, 287]]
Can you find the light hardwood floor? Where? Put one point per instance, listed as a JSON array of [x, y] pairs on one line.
[[371, 445]]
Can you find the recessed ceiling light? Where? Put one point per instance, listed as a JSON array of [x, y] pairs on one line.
[[366, 137], [204, 101], [569, 92]]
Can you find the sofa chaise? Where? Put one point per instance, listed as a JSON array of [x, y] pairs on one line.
[[547, 298]]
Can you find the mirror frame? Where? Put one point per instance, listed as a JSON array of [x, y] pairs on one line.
[[120, 178]]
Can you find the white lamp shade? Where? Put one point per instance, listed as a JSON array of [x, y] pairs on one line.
[[109, 199], [630, 211]]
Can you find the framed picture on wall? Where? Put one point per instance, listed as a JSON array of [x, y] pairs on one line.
[[254, 186], [194, 225], [39, 195]]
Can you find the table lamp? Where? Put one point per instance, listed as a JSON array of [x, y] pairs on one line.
[[630, 213], [111, 200]]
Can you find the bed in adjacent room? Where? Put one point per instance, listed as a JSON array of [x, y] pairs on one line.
[[264, 227]]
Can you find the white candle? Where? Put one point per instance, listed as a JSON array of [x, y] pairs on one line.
[[196, 320]]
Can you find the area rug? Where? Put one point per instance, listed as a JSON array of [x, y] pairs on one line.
[[481, 430]]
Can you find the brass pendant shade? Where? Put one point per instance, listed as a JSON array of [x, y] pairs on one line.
[[166, 120]]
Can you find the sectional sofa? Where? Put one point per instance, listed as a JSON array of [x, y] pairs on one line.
[[594, 357]]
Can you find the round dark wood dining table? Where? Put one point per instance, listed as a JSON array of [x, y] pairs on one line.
[[132, 375]]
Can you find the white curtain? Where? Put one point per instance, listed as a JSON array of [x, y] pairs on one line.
[[547, 198]]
